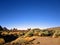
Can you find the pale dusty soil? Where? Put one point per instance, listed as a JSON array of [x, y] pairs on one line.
[[47, 41]]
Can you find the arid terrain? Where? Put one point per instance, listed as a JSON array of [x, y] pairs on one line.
[[49, 36], [47, 41]]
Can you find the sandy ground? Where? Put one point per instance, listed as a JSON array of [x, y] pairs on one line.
[[46, 41]]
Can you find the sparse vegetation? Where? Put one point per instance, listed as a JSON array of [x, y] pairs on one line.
[[21, 37]]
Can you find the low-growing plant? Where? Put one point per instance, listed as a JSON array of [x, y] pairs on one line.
[[44, 33], [4, 33], [2, 41], [56, 34], [29, 34], [38, 42]]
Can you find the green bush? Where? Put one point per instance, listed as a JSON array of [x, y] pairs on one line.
[[29, 34], [45, 33]]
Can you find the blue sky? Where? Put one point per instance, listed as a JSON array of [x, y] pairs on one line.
[[29, 13]]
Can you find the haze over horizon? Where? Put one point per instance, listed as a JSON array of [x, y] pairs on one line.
[[23, 14]]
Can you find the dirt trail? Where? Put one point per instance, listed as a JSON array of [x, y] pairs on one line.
[[47, 41]]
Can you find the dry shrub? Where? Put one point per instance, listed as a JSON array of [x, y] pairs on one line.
[[11, 33], [4, 33], [38, 42], [40, 34], [16, 33], [28, 38], [2, 41], [18, 40], [24, 40], [31, 38], [55, 35]]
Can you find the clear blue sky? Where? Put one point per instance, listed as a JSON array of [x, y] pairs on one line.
[[29, 13]]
